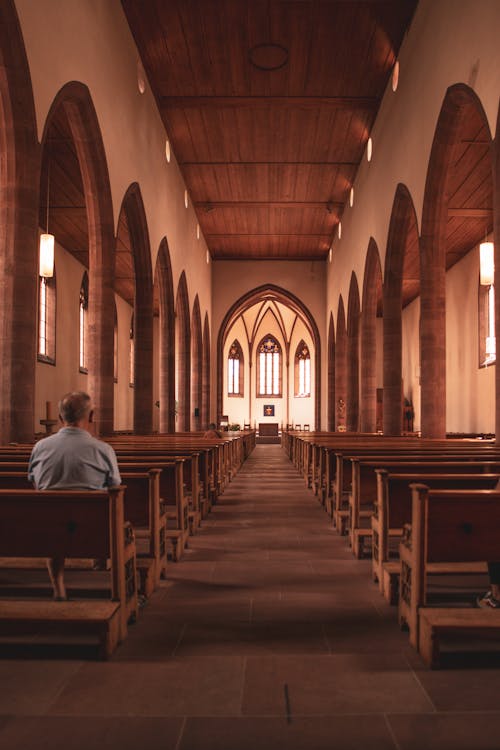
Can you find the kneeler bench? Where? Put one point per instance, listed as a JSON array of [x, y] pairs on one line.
[[94, 618], [439, 621]]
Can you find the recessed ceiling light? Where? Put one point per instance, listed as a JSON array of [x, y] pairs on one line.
[[141, 77], [340, 229], [186, 198], [167, 150], [351, 197], [395, 75], [369, 149], [268, 56]]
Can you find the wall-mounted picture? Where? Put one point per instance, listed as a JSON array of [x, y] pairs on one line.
[[269, 410]]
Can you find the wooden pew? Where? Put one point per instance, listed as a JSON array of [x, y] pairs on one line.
[[364, 485], [71, 524], [450, 530], [393, 510]]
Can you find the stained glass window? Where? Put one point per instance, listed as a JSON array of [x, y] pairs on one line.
[[269, 367]]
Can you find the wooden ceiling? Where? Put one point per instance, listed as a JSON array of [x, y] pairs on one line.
[[269, 156], [268, 105]]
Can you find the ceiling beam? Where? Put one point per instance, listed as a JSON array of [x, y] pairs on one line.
[[212, 205], [248, 235], [249, 102], [268, 163], [470, 213]]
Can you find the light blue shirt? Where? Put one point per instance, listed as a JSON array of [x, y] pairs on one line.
[[73, 460]]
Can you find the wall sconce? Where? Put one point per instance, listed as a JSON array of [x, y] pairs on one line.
[[486, 263], [46, 252]]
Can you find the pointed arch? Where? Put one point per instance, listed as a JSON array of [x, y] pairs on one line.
[[401, 270], [206, 384], [496, 232], [460, 107], [132, 210], [331, 375], [19, 181], [75, 101], [371, 305], [271, 291], [235, 375], [353, 311], [196, 360], [302, 370], [164, 293], [183, 354], [340, 368]]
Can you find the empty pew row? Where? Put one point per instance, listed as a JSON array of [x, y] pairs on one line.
[[363, 493], [392, 512], [448, 528]]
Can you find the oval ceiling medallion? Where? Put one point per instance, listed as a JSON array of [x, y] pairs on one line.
[[268, 56]]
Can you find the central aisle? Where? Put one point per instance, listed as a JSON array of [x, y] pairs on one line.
[[267, 635]]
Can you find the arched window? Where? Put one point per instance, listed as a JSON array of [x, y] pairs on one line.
[[269, 369], [83, 322], [47, 319], [487, 337], [302, 371], [115, 347], [235, 370], [132, 353]]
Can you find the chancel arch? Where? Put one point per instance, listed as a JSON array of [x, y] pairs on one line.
[[269, 313]]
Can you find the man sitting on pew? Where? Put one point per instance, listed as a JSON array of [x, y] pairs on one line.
[[72, 459]]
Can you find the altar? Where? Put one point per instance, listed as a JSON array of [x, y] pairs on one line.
[[268, 429]]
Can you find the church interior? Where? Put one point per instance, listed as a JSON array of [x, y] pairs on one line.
[[278, 220]]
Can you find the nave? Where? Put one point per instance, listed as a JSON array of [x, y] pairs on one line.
[[267, 634]]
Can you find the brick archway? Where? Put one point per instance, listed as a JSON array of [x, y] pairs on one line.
[[459, 103], [78, 107], [206, 380], [132, 209], [403, 233], [353, 312], [340, 368], [331, 375], [289, 299], [183, 354], [372, 302], [196, 364], [165, 288], [19, 181]]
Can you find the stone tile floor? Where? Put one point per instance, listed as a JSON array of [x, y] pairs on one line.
[[267, 635]]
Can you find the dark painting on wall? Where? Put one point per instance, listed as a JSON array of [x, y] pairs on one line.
[[269, 410]]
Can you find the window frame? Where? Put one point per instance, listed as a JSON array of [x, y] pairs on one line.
[[272, 371], [50, 309], [83, 307], [235, 349], [486, 323], [302, 356]]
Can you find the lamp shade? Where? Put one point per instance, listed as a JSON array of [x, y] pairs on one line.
[[46, 255], [491, 346], [486, 263]]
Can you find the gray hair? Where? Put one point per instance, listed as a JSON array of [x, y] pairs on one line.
[[75, 406]]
